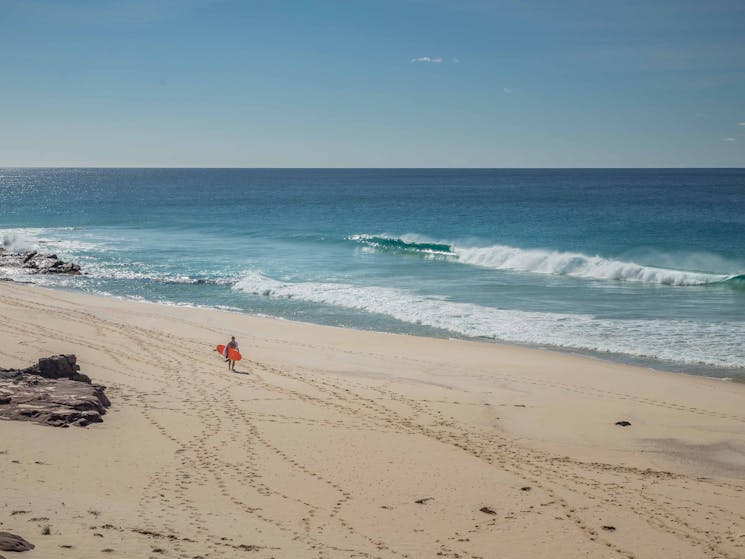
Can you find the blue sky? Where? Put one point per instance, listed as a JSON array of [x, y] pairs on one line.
[[404, 83]]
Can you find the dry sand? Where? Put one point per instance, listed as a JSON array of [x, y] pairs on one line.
[[337, 443]]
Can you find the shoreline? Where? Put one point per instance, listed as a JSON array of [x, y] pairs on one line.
[[326, 440], [535, 352], [724, 374]]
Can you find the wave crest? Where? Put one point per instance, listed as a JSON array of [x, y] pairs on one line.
[[551, 262], [383, 242], [500, 257]]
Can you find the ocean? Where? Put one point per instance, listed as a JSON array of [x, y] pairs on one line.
[[643, 266]]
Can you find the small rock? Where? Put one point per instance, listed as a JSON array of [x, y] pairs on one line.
[[488, 510], [423, 501], [623, 423], [526, 488], [609, 528]]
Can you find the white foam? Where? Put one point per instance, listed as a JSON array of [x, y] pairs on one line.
[[501, 257], [129, 271], [46, 240], [45, 280], [575, 264], [689, 342]]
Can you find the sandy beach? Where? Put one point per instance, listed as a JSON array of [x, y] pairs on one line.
[[334, 443]]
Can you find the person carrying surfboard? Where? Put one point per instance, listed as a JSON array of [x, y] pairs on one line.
[[232, 344]]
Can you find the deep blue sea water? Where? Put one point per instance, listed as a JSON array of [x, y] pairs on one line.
[[638, 265]]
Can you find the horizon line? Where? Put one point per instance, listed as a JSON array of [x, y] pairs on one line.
[[352, 168]]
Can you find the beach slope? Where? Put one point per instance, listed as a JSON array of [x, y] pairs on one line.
[[335, 443]]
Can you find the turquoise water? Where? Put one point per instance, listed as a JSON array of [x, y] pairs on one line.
[[645, 266]]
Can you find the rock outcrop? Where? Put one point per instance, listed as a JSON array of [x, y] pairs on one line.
[[36, 263], [52, 392], [58, 366], [11, 542]]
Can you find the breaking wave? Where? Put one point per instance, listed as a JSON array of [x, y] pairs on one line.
[[46, 240], [395, 244], [551, 262], [581, 266]]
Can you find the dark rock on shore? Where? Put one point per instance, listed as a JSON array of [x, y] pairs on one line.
[[58, 366], [11, 542], [52, 392], [36, 263]]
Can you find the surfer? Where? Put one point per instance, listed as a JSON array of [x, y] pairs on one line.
[[232, 344]]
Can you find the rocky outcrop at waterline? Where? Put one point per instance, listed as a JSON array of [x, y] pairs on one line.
[[52, 392], [34, 262]]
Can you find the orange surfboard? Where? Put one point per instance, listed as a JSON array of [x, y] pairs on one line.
[[233, 355]]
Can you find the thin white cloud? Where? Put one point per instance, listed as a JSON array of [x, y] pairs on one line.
[[741, 124], [729, 139], [427, 59], [508, 90], [456, 60]]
